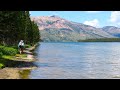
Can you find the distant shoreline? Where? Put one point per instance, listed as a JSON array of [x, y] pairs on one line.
[[101, 40]]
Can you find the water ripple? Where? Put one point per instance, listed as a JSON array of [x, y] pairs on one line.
[[77, 61]]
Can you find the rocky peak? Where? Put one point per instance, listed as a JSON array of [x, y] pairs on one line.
[[109, 28], [50, 22], [55, 16]]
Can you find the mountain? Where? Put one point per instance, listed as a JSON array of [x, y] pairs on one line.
[[54, 28], [112, 30]]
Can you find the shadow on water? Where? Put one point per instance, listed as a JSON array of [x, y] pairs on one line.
[[17, 64]]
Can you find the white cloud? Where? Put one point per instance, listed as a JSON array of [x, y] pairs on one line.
[[115, 16], [92, 11], [94, 23]]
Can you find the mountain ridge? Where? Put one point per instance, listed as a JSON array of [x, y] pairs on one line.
[[55, 28]]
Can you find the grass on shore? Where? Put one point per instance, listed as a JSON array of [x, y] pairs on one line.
[[8, 58], [14, 57], [10, 53]]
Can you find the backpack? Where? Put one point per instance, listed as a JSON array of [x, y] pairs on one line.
[[21, 44]]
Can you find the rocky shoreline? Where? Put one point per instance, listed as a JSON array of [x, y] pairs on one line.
[[21, 65]]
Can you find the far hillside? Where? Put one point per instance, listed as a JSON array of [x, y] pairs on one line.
[[56, 29]]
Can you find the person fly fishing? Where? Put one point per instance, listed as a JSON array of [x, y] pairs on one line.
[[21, 46]]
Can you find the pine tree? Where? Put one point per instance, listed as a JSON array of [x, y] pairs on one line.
[[17, 25]]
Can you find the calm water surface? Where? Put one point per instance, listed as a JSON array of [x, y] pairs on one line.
[[84, 60]]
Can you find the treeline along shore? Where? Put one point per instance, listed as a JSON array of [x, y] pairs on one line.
[[16, 26], [101, 40]]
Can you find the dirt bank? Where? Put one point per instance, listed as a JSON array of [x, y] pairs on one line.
[[15, 73]]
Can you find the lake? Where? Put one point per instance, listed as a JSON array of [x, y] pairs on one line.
[[77, 60]]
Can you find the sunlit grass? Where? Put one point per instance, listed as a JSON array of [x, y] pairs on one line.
[[21, 55], [1, 65], [8, 57], [14, 57]]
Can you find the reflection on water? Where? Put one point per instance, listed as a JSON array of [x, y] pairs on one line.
[[24, 74], [77, 60]]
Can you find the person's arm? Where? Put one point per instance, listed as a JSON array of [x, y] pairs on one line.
[[23, 44], [19, 44]]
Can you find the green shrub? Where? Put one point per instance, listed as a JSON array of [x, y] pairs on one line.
[[15, 47], [9, 51], [1, 48], [2, 65], [1, 54]]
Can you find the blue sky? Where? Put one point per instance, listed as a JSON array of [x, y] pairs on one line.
[[93, 18]]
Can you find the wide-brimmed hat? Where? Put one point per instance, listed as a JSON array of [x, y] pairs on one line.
[[21, 40]]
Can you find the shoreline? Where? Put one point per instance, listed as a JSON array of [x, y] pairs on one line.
[[19, 65]]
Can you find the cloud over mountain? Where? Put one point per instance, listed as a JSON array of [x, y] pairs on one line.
[[94, 23]]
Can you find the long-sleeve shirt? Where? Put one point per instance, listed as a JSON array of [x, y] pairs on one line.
[[21, 43]]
